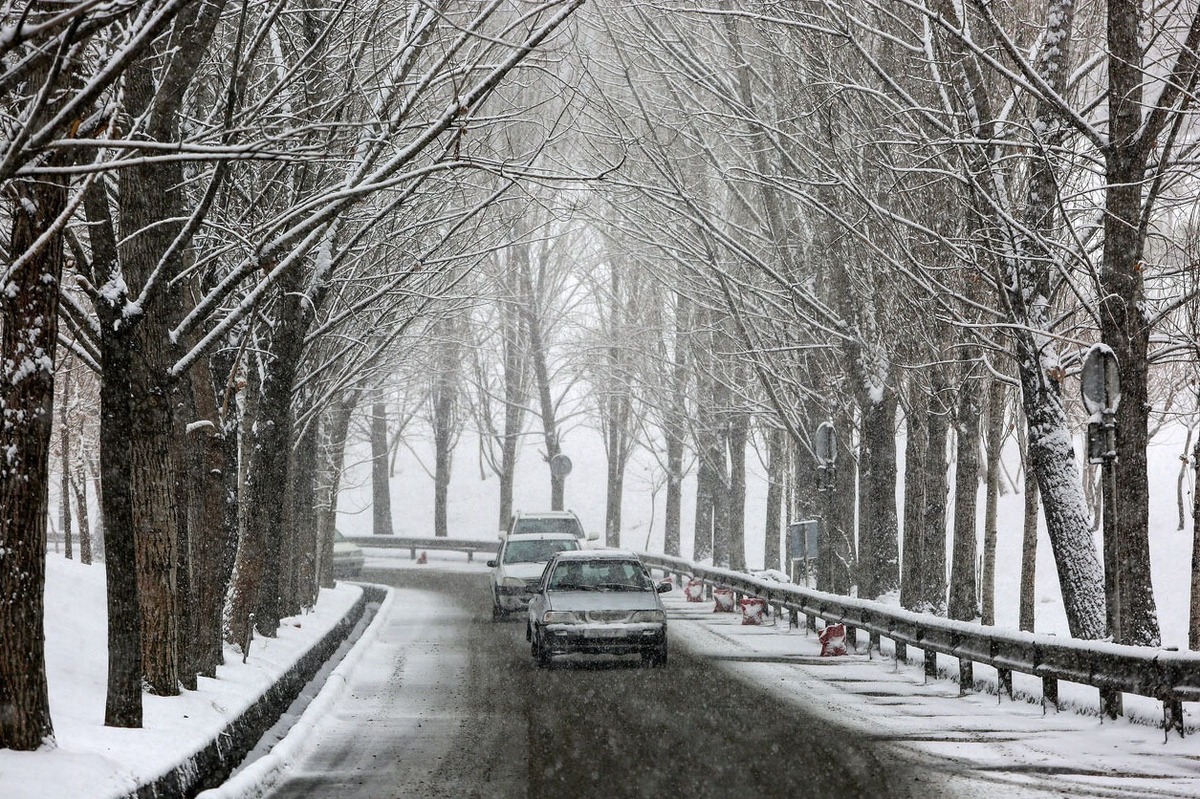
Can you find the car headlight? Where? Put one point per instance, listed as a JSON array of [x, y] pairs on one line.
[[648, 617], [559, 617], [512, 582]]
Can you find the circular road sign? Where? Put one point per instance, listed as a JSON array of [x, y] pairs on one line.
[[560, 465]]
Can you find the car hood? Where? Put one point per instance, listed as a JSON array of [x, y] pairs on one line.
[[602, 600], [526, 571]]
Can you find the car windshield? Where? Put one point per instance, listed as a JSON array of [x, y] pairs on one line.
[[536, 551], [563, 524], [599, 575]]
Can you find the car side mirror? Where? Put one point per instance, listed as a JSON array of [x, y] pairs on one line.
[[503, 534], [491, 564], [664, 586], [593, 536]]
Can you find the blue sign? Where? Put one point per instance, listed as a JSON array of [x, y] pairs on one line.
[[803, 538]]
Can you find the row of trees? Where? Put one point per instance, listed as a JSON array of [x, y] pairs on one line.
[[234, 215], [250, 220]]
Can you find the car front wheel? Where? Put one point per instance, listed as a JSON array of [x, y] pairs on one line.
[[655, 658], [541, 652]]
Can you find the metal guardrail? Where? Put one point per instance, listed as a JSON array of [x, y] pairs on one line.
[[413, 544], [1167, 675]]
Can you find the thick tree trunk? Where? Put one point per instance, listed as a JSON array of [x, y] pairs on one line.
[[879, 557], [381, 490], [995, 433], [937, 487], [28, 339], [304, 517], [208, 518], [123, 705], [1194, 619], [912, 561], [1029, 548], [515, 393], [64, 484], [776, 473], [964, 602], [333, 454], [79, 489], [1124, 324], [739, 432]]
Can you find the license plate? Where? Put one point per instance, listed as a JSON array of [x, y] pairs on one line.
[[600, 633]]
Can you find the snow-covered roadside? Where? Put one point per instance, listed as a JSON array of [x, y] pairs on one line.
[[976, 745], [91, 760]]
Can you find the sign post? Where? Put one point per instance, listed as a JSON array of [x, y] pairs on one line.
[[1100, 386], [825, 447]]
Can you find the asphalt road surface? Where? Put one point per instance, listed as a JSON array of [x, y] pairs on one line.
[[448, 703]]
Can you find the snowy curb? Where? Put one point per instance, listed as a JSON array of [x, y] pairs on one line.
[[220, 756], [257, 778]]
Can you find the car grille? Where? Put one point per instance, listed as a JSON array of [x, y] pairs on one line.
[[606, 615]]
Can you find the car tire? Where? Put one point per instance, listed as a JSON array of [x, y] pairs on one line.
[[541, 652], [655, 658], [498, 614]]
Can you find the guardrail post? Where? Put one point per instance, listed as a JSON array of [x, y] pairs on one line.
[[810, 622], [873, 642], [901, 652], [1049, 692], [1110, 702], [412, 554], [851, 637], [1172, 717], [930, 664], [1004, 680], [966, 676]]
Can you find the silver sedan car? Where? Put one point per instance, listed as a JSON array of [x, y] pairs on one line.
[[598, 602]]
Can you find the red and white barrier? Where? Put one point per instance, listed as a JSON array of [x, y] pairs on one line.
[[833, 640], [723, 597], [754, 610]]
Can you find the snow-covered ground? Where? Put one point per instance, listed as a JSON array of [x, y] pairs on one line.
[[93, 761]]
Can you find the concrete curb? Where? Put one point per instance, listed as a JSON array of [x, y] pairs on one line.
[[212, 765]]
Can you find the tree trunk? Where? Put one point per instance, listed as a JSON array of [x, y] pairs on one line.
[[912, 562], [776, 472], [1124, 323], [995, 433], [964, 602], [333, 454], [879, 557], [64, 487], [28, 339], [1194, 620], [515, 393], [1029, 547], [381, 491], [304, 517], [739, 432], [79, 488]]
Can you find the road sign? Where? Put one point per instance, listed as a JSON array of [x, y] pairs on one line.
[[560, 465], [1099, 383], [826, 444]]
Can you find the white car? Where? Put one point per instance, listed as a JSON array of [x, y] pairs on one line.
[[518, 567], [597, 602]]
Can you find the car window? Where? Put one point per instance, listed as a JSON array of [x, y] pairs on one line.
[[556, 525], [535, 551], [599, 575]]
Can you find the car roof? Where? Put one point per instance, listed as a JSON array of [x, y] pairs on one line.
[[545, 514], [598, 554], [541, 537]]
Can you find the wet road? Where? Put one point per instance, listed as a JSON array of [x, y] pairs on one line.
[[447, 703]]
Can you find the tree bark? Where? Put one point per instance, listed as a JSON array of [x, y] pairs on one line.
[[28, 339], [964, 601], [381, 491], [912, 561], [995, 433], [776, 473]]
